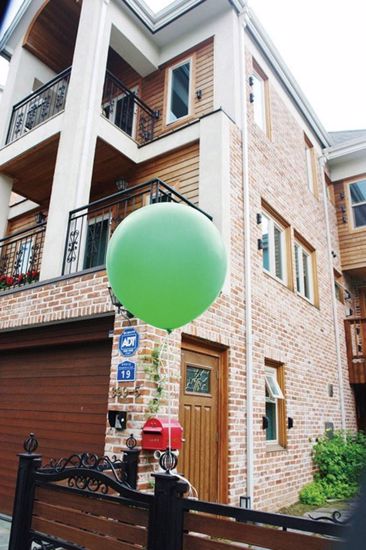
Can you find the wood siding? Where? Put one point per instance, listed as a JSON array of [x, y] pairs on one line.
[[180, 169], [352, 241], [54, 382]]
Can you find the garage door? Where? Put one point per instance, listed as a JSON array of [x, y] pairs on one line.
[[54, 382]]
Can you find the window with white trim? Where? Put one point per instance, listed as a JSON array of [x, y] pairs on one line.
[[273, 394], [310, 165], [260, 98], [357, 191], [304, 272], [274, 248], [179, 91]]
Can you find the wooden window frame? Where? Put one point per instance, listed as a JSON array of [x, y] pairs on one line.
[[311, 168], [352, 225], [168, 89], [277, 221], [278, 370], [266, 104], [311, 254]]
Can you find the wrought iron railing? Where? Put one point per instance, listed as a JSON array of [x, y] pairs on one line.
[[21, 256], [47, 101], [126, 110], [355, 331], [91, 226]]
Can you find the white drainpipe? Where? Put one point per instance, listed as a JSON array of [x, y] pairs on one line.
[[322, 161], [247, 265]]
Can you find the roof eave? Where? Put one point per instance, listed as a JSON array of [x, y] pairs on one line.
[[278, 65]]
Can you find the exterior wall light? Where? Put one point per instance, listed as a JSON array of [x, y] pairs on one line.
[[121, 184]]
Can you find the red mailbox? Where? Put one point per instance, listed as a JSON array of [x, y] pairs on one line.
[[155, 434]]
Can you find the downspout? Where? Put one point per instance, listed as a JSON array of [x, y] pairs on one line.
[[247, 263], [322, 161]]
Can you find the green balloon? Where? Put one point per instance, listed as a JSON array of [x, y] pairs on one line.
[[166, 264]]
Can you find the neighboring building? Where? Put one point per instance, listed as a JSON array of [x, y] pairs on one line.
[[107, 108]]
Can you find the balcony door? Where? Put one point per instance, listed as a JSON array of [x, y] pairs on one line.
[[122, 112]]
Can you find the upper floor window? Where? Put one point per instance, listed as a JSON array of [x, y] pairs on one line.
[[357, 191], [274, 247], [275, 405], [311, 173], [305, 268], [179, 91], [260, 98]]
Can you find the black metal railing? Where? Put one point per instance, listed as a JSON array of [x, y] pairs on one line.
[[91, 226], [21, 256], [47, 101], [126, 110]]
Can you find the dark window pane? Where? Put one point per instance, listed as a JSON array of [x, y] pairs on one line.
[[179, 102], [265, 242], [359, 215], [124, 113], [271, 432], [358, 191], [278, 252], [198, 380], [305, 265], [297, 266], [96, 244]]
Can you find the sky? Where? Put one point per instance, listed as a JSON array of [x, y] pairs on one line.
[[323, 44]]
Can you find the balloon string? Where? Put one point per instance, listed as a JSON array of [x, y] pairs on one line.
[[166, 350]]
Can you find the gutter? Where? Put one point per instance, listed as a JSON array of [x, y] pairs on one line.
[[242, 21], [322, 160], [346, 148]]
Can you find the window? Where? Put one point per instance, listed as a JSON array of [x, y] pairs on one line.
[[261, 98], [96, 242], [23, 258], [275, 404], [338, 286], [304, 267], [357, 192], [310, 165], [179, 91], [121, 110], [274, 248]]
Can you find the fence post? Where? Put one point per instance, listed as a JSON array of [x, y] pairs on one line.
[[166, 516], [20, 538], [131, 458]]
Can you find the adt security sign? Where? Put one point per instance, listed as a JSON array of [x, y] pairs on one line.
[[126, 372], [129, 342]]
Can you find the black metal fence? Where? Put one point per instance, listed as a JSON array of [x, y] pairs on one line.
[[21, 256], [91, 226], [47, 101], [126, 110], [82, 502]]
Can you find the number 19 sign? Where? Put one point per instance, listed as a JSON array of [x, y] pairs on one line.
[[126, 372]]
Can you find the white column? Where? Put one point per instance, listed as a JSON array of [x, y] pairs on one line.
[[75, 156], [214, 176], [6, 185]]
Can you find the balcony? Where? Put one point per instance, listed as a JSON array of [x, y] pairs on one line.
[[355, 330], [21, 256], [120, 105], [38, 107], [127, 111], [91, 226]]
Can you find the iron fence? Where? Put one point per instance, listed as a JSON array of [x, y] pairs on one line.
[[21, 256], [47, 101], [126, 110], [91, 226]]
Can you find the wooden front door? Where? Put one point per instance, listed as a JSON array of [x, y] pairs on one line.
[[199, 460]]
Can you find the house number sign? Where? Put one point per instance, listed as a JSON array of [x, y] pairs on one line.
[[126, 372]]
